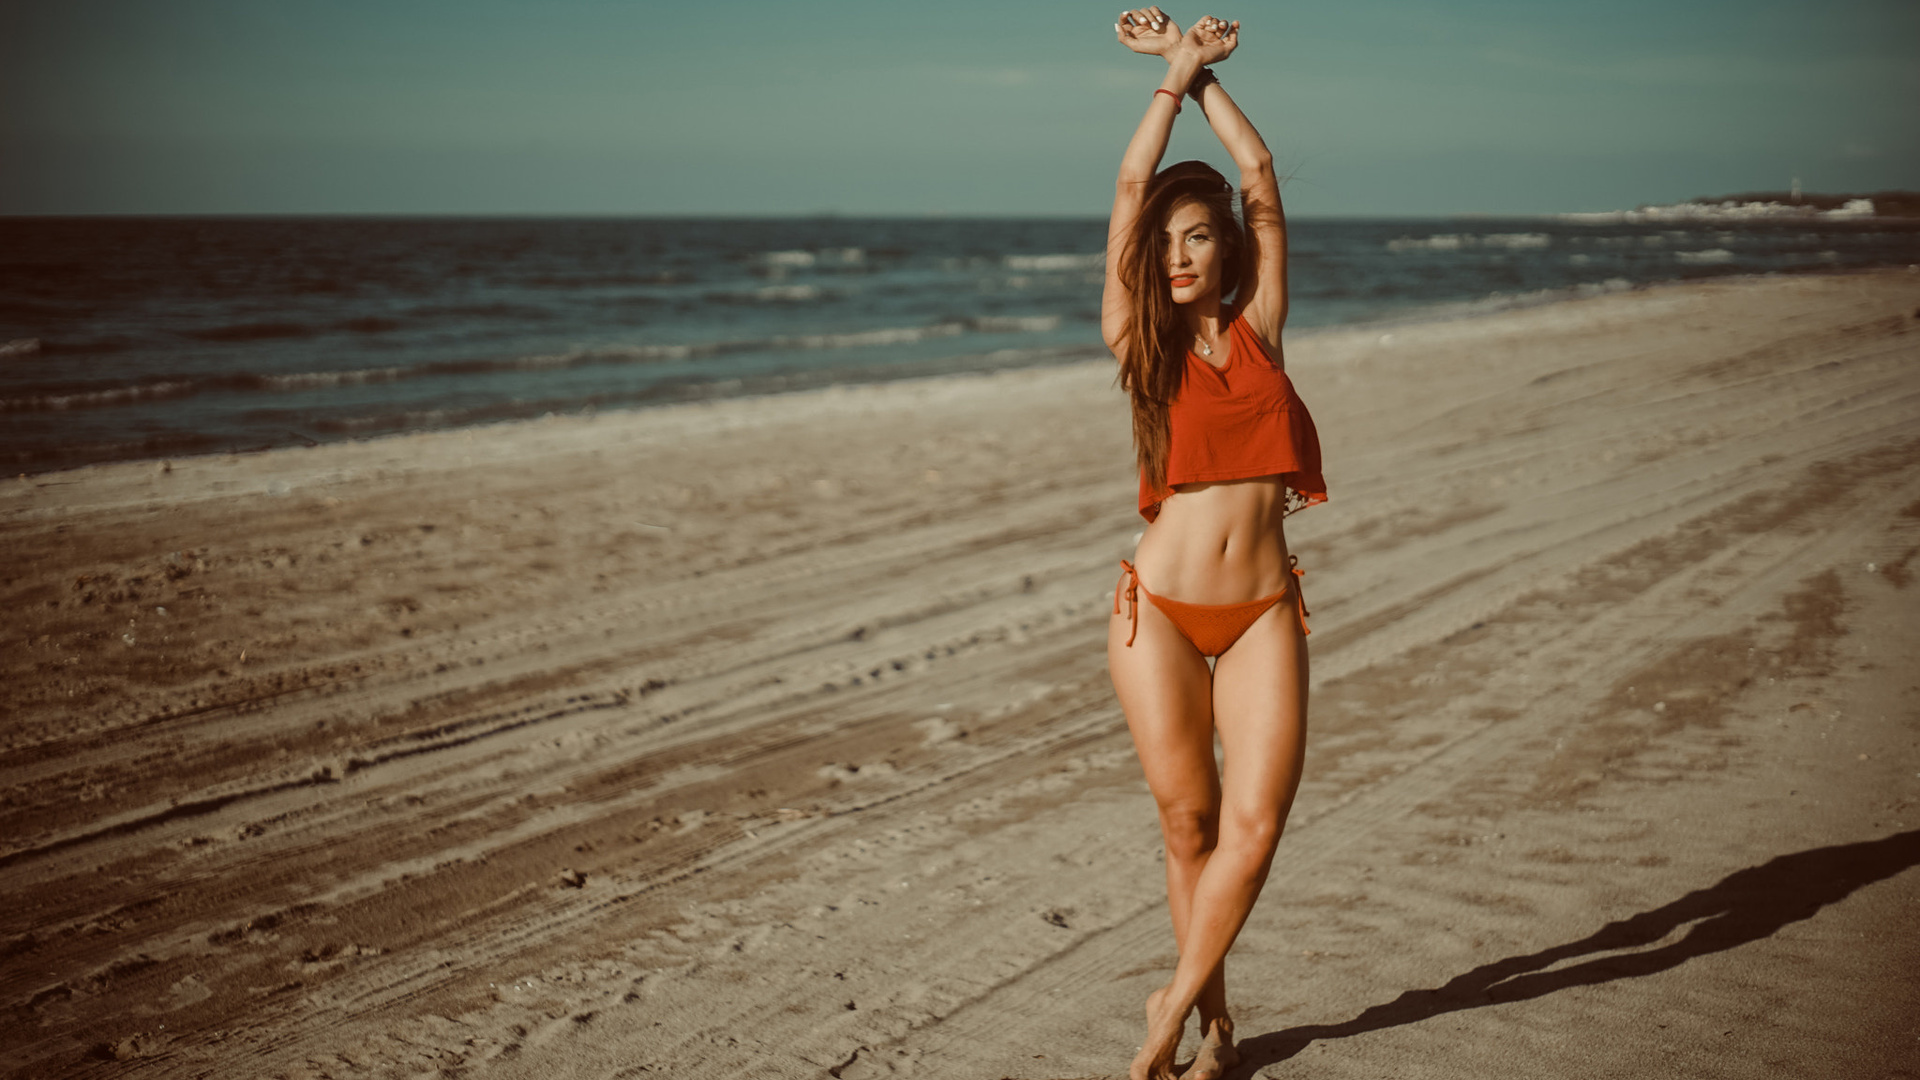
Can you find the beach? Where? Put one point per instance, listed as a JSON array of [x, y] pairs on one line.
[[772, 736]]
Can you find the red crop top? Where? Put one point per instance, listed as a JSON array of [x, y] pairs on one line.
[[1238, 421]]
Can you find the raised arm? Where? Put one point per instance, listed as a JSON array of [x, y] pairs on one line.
[[1264, 298], [1147, 30]]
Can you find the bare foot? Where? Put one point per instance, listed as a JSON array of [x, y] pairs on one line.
[[1155, 1059], [1217, 1053]]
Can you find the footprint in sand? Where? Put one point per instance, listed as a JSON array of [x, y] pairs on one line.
[[188, 991], [844, 773], [938, 729]]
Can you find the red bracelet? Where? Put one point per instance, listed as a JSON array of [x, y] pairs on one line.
[[1174, 96]]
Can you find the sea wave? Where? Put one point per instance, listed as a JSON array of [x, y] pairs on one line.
[[1092, 261], [103, 398], [68, 396], [789, 294], [68, 452], [605, 280], [73, 396], [1517, 240], [1002, 324], [677, 389], [85, 347], [253, 331], [801, 259], [370, 324], [498, 309], [899, 335], [1458, 241], [1709, 257]]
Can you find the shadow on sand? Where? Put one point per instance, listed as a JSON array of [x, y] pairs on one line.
[[1744, 906]]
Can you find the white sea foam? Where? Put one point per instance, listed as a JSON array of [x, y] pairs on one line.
[[787, 293], [1055, 262], [95, 399], [792, 260], [895, 335], [1722, 211], [1709, 257], [1442, 242], [1517, 240], [25, 346], [1033, 324], [603, 353], [1458, 241], [319, 380]]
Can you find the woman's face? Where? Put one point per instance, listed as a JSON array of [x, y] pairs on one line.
[[1193, 253]]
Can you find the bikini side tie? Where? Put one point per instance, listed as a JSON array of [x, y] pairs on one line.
[[1133, 598], [1299, 597]]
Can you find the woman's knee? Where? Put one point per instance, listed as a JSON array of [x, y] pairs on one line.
[[1191, 831], [1253, 834]]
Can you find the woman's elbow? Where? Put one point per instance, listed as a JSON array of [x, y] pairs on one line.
[[1256, 167]]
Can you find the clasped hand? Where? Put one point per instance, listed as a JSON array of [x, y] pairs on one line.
[[1149, 30]]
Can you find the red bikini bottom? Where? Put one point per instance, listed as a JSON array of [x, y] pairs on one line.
[[1212, 628]]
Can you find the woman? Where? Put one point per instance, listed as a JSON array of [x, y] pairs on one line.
[[1226, 450]]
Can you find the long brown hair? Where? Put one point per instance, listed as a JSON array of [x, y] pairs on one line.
[[1157, 338]]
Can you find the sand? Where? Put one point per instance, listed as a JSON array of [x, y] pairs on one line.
[[773, 738]]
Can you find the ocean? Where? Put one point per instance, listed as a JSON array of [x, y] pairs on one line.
[[125, 338]]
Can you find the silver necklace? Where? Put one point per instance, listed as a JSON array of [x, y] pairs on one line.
[[1205, 349]]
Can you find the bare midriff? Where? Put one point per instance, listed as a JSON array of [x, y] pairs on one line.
[[1217, 543]]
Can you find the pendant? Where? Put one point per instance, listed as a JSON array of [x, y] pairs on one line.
[[1206, 349]]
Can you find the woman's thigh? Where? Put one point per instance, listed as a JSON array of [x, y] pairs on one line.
[[1165, 690], [1260, 711]]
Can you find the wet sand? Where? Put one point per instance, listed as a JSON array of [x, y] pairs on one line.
[[772, 737]]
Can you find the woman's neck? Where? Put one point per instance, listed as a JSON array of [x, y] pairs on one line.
[[1203, 316]]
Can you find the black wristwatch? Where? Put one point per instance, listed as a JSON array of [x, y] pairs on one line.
[[1201, 80]]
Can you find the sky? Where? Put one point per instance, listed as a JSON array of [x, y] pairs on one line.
[[1374, 107]]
